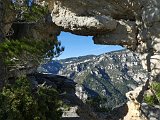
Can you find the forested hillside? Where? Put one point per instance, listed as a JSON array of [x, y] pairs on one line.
[[106, 77]]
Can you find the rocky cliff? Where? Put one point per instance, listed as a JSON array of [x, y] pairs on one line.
[[104, 80], [76, 109], [108, 76], [133, 24], [130, 23]]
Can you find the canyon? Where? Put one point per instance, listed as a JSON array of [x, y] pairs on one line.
[[133, 24]]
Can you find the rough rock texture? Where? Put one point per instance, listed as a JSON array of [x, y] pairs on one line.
[[130, 23], [152, 112], [66, 88], [93, 17], [134, 107], [125, 35], [41, 30], [134, 24], [7, 16]]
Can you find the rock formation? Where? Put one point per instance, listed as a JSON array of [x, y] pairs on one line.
[[108, 76], [66, 88], [130, 23], [134, 107], [133, 24]]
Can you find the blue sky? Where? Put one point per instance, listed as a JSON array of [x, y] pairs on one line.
[[81, 45]]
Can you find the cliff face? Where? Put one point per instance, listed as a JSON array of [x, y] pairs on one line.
[[66, 88], [7, 16], [106, 79], [133, 24], [108, 76], [130, 23]]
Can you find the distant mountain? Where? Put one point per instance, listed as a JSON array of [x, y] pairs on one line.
[[106, 77]]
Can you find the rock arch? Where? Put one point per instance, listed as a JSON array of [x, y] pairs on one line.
[[129, 23], [134, 24]]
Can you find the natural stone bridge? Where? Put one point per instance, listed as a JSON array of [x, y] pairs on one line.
[[134, 24]]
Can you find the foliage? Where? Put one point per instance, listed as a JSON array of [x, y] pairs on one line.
[[35, 13], [156, 88], [29, 12], [155, 98], [98, 104], [150, 99], [20, 102], [26, 51]]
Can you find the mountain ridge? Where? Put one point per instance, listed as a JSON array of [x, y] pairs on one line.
[[109, 75]]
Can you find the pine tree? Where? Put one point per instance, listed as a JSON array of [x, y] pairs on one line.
[[18, 101]]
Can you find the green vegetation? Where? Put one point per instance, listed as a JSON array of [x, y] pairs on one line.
[[35, 13], [98, 104], [156, 87], [26, 51], [153, 99], [150, 99], [27, 13], [20, 102]]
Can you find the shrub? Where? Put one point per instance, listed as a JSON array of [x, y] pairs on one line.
[[155, 98], [20, 102], [150, 99], [156, 88]]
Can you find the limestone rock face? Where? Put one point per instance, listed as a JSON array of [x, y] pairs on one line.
[[152, 112], [125, 35], [133, 24], [134, 104], [80, 24], [129, 23], [89, 17]]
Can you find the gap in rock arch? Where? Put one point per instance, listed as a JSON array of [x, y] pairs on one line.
[[76, 46]]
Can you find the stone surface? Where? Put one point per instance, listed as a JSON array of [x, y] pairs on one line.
[[134, 104], [7, 16], [125, 35], [152, 112], [81, 24], [131, 23], [66, 88], [41, 30]]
